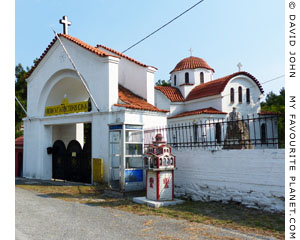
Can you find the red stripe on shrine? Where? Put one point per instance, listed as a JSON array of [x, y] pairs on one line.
[[157, 186]]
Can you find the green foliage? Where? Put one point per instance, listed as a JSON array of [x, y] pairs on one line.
[[276, 103], [163, 82], [21, 94]]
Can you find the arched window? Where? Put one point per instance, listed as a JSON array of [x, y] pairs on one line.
[[174, 80], [248, 95], [263, 133], [232, 95], [240, 95], [201, 77], [218, 133], [187, 77]]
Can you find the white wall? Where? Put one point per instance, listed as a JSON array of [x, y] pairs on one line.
[[68, 132], [100, 73], [161, 101], [244, 107], [137, 78], [194, 76], [254, 178], [213, 101]]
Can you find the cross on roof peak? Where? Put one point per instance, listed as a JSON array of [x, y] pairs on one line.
[[191, 51], [66, 23]]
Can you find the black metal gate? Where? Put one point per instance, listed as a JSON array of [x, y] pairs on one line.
[[58, 159], [71, 163]]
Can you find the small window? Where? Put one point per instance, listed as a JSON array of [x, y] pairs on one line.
[[263, 133], [248, 95], [232, 95], [187, 80], [240, 95], [174, 80], [218, 133], [201, 77]]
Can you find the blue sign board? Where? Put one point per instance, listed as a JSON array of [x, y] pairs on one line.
[[135, 175], [114, 127]]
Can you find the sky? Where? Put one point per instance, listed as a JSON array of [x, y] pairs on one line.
[[221, 32]]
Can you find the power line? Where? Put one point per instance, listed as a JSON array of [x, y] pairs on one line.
[[76, 69], [270, 80], [163, 26], [21, 106]]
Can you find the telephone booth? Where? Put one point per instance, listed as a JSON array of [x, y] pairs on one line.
[[127, 172], [160, 164]]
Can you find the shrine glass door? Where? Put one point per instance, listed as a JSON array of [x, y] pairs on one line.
[[115, 158]]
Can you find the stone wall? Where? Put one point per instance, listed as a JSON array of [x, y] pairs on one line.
[[254, 178]]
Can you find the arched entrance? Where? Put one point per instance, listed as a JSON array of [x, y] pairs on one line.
[[72, 163]]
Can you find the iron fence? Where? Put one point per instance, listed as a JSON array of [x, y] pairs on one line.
[[244, 133]]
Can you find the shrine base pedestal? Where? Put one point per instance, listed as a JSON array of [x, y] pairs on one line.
[[156, 204]]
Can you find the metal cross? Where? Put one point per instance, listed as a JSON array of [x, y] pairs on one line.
[[239, 65], [65, 23], [191, 51]]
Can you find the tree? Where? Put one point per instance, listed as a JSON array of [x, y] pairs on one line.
[[275, 103], [21, 94], [163, 82]]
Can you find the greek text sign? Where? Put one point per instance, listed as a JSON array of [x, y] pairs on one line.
[[66, 108]]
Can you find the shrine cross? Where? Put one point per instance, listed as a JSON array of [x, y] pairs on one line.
[[191, 51], [66, 23]]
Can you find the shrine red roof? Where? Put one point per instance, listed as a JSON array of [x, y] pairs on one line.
[[124, 56], [88, 47], [171, 93], [191, 63], [217, 86], [209, 110], [134, 101], [19, 141]]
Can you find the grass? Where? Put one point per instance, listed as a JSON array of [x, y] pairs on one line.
[[232, 215]]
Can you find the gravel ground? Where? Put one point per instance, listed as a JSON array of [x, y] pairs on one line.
[[42, 218]]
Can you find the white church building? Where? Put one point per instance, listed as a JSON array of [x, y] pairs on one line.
[[58, 107], [194, 93], [87, 103]]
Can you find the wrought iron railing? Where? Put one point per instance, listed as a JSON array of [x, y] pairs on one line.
[[244, 133]]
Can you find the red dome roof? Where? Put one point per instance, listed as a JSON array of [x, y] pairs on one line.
[[191, 63]]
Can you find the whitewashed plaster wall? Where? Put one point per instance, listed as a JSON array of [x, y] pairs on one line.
[[101, 74], [254, 178], [194, 76], [149, 119], [138, 79], [161, 101], [212, 101], [244, 108], [68, 132]]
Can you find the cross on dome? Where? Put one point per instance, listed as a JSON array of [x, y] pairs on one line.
[[66, 23], [239, 65], [191, 51]]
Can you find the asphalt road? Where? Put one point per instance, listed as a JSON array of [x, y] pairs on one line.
[[39, 217]]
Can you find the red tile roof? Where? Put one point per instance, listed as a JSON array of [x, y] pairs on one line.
[[192, 63], [134, 101], [209, 110], [19, 141], [74, 40], [123, 55], [171, 93], [217, 86]]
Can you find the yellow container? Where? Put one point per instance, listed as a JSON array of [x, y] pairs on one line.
[[97, 170]]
